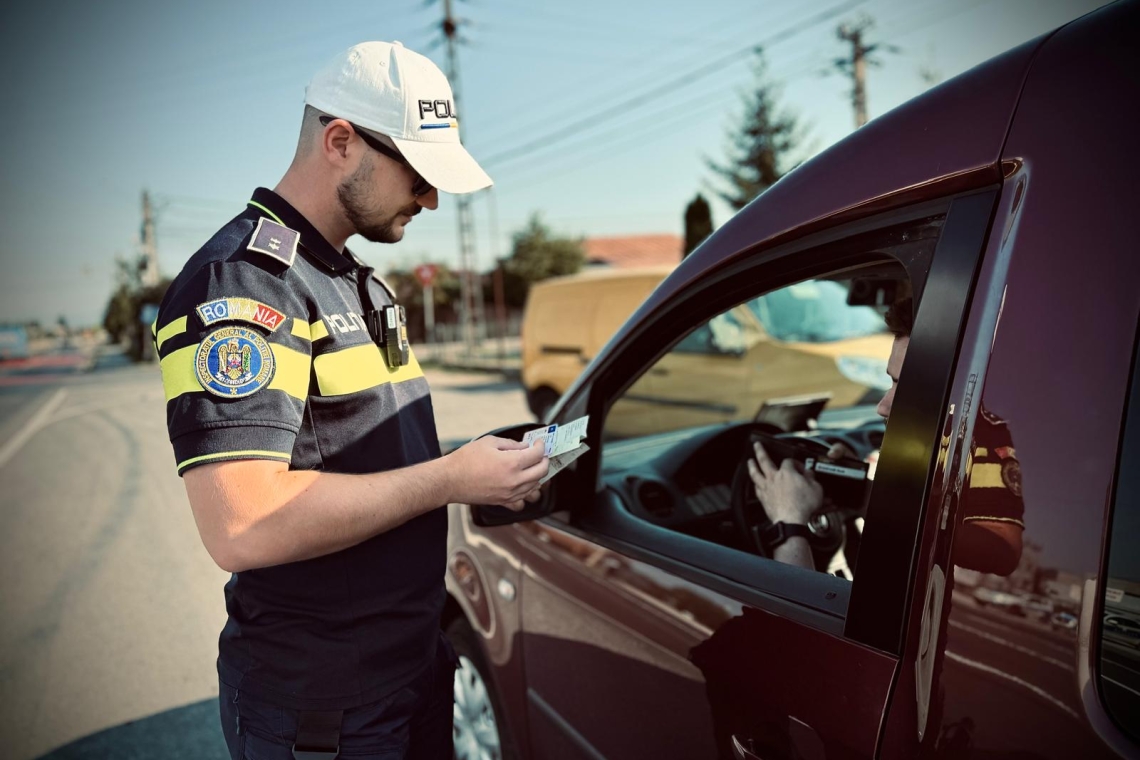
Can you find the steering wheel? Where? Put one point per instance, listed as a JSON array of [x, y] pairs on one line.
[[748, 514]]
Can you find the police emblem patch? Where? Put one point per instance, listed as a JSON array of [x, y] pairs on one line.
[[1011, 476], [233, 362]]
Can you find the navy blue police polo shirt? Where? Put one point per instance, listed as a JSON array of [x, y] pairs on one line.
[[265, 355], [993, 492]]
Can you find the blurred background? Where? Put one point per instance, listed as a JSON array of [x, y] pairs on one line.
[[619, 136]]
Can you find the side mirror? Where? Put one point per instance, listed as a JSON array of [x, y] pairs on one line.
[[492, 515]]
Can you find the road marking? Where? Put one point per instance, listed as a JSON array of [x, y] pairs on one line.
[[79, 411], [1118, 683], [1038, 634], [1002, 674], [31, 427], [1026, 650]]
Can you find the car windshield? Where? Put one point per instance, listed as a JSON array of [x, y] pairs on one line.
[[815, 311]]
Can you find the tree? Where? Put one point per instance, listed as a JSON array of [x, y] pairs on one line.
[[764, 148], [124, 308], [410, 294], [537, 254], [698, 223], [119, 318]]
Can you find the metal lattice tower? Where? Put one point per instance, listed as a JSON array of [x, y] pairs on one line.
[[471, 292]]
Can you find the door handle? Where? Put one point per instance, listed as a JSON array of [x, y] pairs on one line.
[[743, 749], [658, 371]]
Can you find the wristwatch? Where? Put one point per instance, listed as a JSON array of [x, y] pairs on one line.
[[778, 532]]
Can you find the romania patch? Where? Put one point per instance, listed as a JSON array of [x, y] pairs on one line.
[[240, 310], [233, 362]]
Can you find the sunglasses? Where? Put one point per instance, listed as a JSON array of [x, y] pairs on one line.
[[420, 186]]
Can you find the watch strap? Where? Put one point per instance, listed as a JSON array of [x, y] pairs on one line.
[[778, 532]]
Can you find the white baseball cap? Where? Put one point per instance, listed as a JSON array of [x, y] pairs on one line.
[[386, 88]]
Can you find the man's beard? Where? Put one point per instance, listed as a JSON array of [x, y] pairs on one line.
[[353, 197]]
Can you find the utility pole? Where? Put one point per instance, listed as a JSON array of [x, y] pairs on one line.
[[470, 285], [148, 263], [856, 65], [497, 282]]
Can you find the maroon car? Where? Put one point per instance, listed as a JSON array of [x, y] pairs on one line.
[[637, 612]]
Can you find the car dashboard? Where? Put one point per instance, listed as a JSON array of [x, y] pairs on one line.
[[682, 480]]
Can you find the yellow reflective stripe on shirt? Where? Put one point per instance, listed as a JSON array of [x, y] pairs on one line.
[[318, 330], [177, 327], [301, 329], [178, 375], [249, 454], [291, 373], [359, 368], [986, 476], [272, 216]]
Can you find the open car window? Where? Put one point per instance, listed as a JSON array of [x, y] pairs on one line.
[[791, 344], [805, 364], [804, 345]]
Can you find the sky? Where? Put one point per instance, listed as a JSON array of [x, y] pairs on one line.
[[599, 115]]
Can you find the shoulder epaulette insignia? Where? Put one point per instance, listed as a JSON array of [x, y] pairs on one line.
[[275, 240], [992, 418]]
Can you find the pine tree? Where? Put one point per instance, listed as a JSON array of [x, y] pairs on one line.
[[698, 223], [764, 148]]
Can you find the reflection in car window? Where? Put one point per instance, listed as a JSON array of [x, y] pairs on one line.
[[723, 334], [801, 362], [1120, 626], [801, 340], [815, 311]]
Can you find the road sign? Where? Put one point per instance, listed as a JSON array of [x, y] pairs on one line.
[[426, 273]]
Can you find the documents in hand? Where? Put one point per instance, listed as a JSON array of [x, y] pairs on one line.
[[563, 443]]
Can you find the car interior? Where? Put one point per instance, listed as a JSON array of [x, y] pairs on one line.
[[798, 369]]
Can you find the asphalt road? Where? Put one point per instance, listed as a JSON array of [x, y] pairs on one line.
[[1017, 677], [111, 607]]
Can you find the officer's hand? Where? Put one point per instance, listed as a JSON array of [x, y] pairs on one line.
[[787, 493], [498, 471]]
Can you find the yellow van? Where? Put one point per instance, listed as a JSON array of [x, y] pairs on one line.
[[568, 319], [806, 340]]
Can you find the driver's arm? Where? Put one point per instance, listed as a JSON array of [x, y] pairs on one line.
[[788, 494]]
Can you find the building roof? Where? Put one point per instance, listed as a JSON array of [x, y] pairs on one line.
[[633, 250]]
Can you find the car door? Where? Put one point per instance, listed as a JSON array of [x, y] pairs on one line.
[[648, 635]]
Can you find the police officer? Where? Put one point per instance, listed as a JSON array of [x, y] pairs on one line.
[[992, 508], [302, 426]]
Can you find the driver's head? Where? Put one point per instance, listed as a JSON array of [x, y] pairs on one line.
[[900, 321]]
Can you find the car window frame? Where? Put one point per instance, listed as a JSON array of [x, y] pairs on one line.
[[1125, 496], [875, 618]]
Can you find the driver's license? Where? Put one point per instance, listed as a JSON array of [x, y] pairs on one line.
[[546, 435]]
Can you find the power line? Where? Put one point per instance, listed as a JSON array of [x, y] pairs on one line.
[[685, 80], [603, 152], [597, 145], [624, 89]]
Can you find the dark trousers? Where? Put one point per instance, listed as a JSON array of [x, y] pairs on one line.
[[412, 724]]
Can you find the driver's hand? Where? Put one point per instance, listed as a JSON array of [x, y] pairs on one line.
[[788, 493], [841, 451]]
